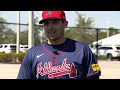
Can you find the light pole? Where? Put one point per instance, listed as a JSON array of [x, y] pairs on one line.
[[108, 26], [18, 34], [18, 31], [30, 29], [41, 35]]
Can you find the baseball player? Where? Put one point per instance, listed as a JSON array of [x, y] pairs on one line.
[[58, 57]]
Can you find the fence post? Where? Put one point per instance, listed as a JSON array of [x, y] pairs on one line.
[[97, 42]]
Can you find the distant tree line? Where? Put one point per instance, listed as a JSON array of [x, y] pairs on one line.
[[87, 35]]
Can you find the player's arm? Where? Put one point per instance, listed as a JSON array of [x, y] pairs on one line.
[[93, 69], [94, 77], [25, 71]]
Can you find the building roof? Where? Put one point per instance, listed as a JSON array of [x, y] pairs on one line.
[[112, 40]]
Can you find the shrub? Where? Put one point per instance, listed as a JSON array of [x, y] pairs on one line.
[[20, 56], [11, 57], [100, 57], [7, 57]]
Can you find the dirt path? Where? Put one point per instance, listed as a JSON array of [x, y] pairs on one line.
[[110, 70]]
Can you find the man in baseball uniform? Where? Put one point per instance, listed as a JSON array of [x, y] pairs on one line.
[[58, 57]]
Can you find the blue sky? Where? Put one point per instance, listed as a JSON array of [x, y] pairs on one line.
[[102, 19]]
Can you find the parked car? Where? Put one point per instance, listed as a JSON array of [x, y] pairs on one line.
[[109, 51], [7, 48], [94, 47], [23, 48]]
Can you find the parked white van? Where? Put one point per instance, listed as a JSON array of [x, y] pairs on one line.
[[7, 48], [23, 48]]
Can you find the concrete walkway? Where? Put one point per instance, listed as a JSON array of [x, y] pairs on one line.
[[9, 71], [110, 70]]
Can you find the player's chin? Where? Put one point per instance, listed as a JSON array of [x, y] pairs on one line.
[[53, 38]]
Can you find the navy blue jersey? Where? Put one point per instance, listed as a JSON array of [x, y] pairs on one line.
[[70, 60]]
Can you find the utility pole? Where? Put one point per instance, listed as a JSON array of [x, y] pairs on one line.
[[108, 32], [18, 31], [30, 29], [41, 35], [18, 34], [108, 26]]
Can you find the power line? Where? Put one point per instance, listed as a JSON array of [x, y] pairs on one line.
[[17, 23], [67, 27]]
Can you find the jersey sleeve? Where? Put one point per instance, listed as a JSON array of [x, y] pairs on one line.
[[93, 69], [25, 71]]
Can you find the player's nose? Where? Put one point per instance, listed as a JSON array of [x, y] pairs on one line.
[[51, 26]]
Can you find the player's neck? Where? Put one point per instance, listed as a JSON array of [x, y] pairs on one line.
[[57, 41]]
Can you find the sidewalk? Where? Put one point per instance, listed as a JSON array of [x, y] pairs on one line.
[[9, 71], [110, 70]]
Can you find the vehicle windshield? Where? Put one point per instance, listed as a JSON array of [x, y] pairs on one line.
[[13, 46], [118, 48]]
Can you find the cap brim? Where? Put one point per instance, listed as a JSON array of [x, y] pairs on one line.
[[42, 21]]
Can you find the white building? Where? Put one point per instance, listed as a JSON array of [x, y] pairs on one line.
[[112, 40]]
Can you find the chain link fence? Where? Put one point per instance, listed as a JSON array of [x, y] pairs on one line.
[[8, 29], [87, 35]]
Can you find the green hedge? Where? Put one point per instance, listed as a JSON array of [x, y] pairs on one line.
[[20, 56], [100, 57], [17, 58], [11, 57]]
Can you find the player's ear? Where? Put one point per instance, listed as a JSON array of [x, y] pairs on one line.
[[65, 24]]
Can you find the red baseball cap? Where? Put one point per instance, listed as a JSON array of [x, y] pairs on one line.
[[52, 15]]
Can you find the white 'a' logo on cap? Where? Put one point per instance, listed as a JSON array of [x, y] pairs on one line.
[[49, 13]]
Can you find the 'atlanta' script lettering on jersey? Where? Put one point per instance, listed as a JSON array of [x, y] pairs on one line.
[[55, 71]]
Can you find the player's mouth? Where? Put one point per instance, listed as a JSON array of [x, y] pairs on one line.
[[52, 32]]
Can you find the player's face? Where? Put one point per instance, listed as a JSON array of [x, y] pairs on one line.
[[54, 29]]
